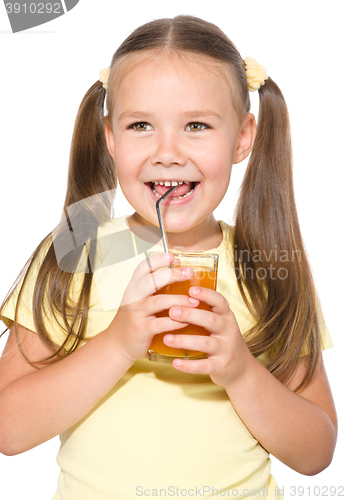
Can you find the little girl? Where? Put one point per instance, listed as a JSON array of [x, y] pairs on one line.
[[83, 314]]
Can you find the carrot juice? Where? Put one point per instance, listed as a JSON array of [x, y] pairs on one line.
[[204, 268]]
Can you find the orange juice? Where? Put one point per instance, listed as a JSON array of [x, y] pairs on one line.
[[202, 276]]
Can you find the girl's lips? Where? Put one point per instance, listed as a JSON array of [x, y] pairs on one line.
[[169, 201]]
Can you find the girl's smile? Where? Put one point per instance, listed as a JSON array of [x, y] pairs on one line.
[[174, 122], [182, 194]]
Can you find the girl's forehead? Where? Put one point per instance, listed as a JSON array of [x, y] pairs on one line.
[[161, 61], [167, 73]]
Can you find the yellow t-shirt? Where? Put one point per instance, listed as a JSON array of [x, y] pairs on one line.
[[159, 432]]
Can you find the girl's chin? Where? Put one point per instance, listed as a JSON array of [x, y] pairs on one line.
[[173, 222]]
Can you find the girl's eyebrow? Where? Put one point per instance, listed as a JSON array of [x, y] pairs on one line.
[[134, 114], [142, 115], [202, 113]]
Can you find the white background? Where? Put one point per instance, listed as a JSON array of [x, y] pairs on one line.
[[46, 71]]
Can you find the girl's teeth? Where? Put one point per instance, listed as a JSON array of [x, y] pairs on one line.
[[168, 183], [175, 198]]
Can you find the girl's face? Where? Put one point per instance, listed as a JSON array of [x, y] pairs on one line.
[[173, 120]]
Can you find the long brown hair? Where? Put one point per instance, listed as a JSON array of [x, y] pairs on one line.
[[266, 223]]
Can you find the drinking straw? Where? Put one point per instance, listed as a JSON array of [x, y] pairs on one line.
[[162, 227]]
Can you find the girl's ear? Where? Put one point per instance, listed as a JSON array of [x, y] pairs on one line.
[[246, 138], [109, 137]]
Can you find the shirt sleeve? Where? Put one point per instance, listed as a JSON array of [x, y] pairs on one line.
[[53, 323], [326, 340], [25, 315]]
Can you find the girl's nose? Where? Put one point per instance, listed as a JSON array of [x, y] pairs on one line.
[[168, 153]]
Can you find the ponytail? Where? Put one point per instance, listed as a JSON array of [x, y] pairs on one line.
[[88, 203], [274, 277], [91, 168]]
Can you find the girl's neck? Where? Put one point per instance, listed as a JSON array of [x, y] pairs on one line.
[[201, 238]]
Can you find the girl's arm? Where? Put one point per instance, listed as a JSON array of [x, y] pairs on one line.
[[37, 404], [300, 429]]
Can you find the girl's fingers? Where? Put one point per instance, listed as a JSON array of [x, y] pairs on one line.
[[159, 325], [151, 275], [212, 322], [201, 366], [215, 300], [203, 343], [165, 301], [165, 276], [154, 262]]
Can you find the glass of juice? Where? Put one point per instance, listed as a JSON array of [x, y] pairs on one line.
[[204, 268]]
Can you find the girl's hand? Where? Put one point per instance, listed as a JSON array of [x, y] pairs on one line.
[[228, 353], [135, 323]]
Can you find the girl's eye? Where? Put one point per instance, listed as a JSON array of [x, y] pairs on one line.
[[141, 126], [196, 126]]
